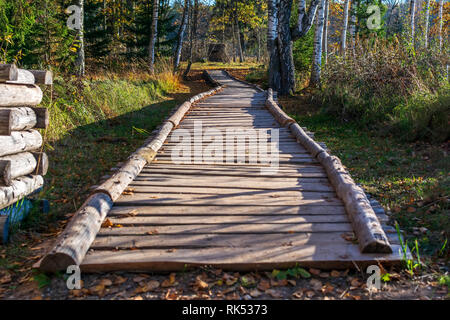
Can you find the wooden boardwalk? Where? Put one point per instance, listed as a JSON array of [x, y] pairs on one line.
[[232, 216]]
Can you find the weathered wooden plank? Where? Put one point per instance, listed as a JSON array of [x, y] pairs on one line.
[[186, 241], [262, 228], [199, 172], [332, 255], [207, 210], [140, 200], [224, 219]]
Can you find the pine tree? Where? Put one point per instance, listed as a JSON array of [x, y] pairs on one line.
[[98, 35]]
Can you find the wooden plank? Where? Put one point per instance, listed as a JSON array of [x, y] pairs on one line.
[[199, 172], [186, 241], [245, 228], [258, 183], [227, 219], [207, 210], [334, 256], [140, 200], [142, 191]]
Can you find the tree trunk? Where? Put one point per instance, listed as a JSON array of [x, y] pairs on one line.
[[412, 13], [80, 61], [280, 37], [441, 22], [181, 32], [192, 32], [238, 34], [325, 31], [153, 36], [344, 27], [272, 45], [285, 48], [352, 27], [427, 21], [317, 55]]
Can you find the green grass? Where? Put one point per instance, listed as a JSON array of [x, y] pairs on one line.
[[410, 179]]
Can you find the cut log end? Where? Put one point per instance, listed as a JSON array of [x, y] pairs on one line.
[[376, 246], [8, 72], [56, 261]]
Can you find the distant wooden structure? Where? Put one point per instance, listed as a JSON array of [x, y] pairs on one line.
[[217, 53], [22, 162]]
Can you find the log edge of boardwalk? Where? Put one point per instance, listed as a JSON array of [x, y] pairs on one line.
[[73, 243]]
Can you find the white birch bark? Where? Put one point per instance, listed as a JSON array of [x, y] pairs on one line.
[[441, 22], [427, 21], [412, 16], [153, 36], [317, 55], [344, 27]]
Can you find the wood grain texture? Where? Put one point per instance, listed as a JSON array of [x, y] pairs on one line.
[[19, 188], [19, 95], [20, 141]]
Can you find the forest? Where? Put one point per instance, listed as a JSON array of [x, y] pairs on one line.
[[370, 78]]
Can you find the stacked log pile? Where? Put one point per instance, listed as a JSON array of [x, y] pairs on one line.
[[22, 163]]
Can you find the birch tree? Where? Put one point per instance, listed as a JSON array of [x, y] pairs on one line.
[[280, 37], [441, 22], [344, 27], [325, 31], [317, 54], [427, 21], [153, 36], [354, 7], [412, 12], [237, 32], [181, 32], [80, 64]]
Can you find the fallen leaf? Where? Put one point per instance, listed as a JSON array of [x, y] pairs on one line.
[[132, 213], [172, 278], [292, 282], [98, 290], [335, 274], [315, 284], [200, 284], [313, 271], [119, 280], [152, 285], [355, 282], [5, 279], [324, 275], [298, 294], [107, 223], [255, 293], [274, 293], [310, 293], [263, 285], [106, 282], [411, 209]]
